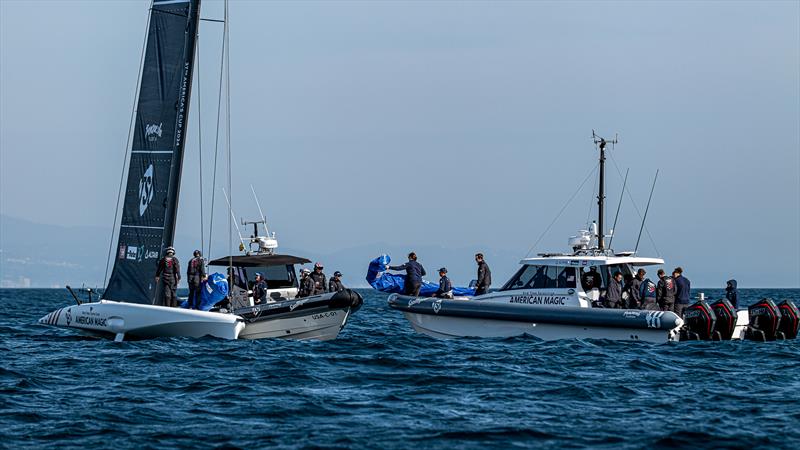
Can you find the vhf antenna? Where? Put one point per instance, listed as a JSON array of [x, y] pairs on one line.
[[601, 143]]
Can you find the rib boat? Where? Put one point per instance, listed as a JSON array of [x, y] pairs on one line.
[[549, 298]]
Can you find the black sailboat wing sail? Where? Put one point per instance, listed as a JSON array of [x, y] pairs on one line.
[[154, 173]]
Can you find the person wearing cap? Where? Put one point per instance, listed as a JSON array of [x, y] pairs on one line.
[[320, 281], [335, 284], [484, 275], [445, 286], [665, 291], [306, 283], [414, 274], [259, 289], [169, 271], [195, 274], [682, 291], [614, 291]]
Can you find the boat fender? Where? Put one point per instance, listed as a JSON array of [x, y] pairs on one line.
[[765, 318], [790, 319], [699, 321], [726, 319], [346, 298]]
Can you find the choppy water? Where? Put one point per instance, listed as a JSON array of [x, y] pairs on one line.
[[380, 385]]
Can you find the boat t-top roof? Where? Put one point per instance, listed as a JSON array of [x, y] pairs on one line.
[[591, 260], [258, 260]]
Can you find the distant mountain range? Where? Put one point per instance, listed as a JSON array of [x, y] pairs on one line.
[[42, 256]]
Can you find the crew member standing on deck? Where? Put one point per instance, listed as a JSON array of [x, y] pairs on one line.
[[682, 291], [414, 274], [195, 274], [335, 284], [636, 289], [306, 283], [484, 275], [319, 279], [614, 291], [169, 269], [647, 292], [665, 291], [259, 290], [731, 293]]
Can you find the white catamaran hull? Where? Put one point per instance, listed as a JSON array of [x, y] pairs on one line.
[[452, 327], [322, 325], [132, 320]]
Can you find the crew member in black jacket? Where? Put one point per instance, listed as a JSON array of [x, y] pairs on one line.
[[319, 279], [484, 275], [259, 289], [335, 284], [195, 273], [445, 286], [614, 291], [169, 269], [414, 274]]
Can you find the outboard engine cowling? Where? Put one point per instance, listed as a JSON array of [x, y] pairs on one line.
[[726, 319], [699, 321], [790, 319], [765, 318]]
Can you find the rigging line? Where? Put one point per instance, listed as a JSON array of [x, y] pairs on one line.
[[592, 198], [128, 145], [588, 175], [227, 44], [619, 205], [199, 136], [645, 212], [216, 143], [630, 196]]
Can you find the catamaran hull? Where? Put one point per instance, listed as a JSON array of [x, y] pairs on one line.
[[135, 321], [474, 318]]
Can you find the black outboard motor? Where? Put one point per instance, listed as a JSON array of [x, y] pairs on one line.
[[699, 321], [726, 319], [765, 317], [790, 319]]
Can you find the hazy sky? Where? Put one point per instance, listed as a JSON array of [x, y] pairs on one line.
[[464, 124]]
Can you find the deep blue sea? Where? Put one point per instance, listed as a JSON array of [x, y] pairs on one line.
[[380, 385]]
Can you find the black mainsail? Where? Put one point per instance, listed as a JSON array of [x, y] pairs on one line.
[[150, 204]]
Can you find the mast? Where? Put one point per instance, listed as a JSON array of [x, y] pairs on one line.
[[150, 204], [601, 196]]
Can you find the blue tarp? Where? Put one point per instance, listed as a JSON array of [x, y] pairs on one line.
[[212, 291], [392, 283]]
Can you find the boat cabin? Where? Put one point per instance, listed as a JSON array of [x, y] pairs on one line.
[[278, 271], [565, 279]]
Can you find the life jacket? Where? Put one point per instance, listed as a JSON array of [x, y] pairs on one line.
[[194, 266]]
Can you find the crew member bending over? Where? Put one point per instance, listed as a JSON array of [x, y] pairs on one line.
[[445, 286]]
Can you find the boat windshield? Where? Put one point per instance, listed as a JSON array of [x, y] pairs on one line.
[[277, 277], [542, 277], [605, 272]]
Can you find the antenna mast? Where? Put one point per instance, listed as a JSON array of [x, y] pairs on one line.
[[601, 142]]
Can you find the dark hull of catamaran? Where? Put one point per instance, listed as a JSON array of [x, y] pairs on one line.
[[443, 318], [320, 317]]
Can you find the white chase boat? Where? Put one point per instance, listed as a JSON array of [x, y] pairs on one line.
[[127, 307], [549, 297], [283, 315]]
